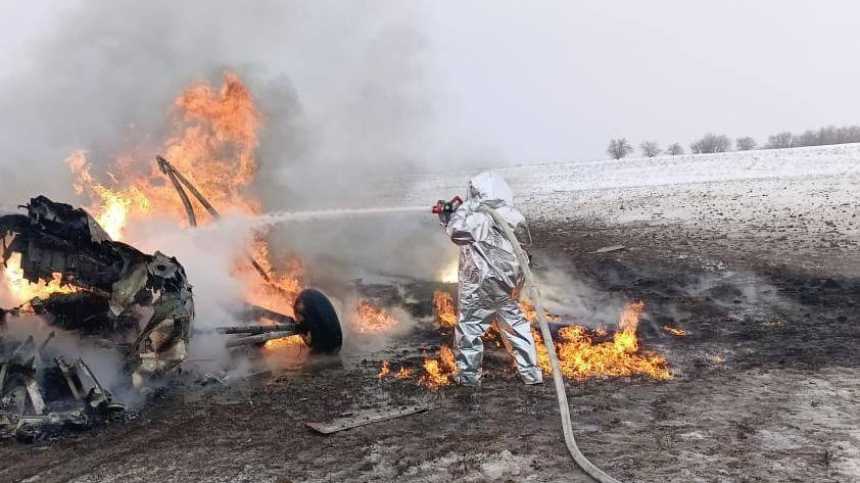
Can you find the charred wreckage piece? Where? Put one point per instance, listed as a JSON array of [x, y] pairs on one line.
[[112, 289], [39, 399]]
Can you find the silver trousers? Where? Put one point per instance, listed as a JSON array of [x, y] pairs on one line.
[[477, 312]]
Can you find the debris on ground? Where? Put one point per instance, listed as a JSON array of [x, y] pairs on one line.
[[364, 418], [613, 248], [97, 286], [41, 396], [67, 271]]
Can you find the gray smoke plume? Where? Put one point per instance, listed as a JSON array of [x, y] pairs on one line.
[[342, 92], [341, 87], [568, 294]]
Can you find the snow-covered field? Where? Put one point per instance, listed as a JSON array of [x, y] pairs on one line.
[[802, 201], [677, 188]]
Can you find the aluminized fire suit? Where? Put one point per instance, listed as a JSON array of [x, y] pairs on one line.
[[490, 281]]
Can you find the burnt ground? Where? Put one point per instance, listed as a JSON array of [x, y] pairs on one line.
[[765, 389]]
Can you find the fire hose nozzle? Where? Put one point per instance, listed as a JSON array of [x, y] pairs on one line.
[[447, 207]]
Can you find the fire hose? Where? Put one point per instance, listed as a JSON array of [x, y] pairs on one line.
[[563, 408]]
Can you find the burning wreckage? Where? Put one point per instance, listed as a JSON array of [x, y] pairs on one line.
[[98, 287], [138, 304]]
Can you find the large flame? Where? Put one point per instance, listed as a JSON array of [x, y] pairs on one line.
[[214, 140], [215, 135]]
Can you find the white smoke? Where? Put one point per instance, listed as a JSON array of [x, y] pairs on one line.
[[342, 91], [569, 295], [209, 257], [341, 87]]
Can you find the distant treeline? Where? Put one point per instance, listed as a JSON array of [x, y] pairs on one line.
[[720, 143]]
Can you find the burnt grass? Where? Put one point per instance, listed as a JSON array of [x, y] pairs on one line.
[[758, 329], [769, 312]]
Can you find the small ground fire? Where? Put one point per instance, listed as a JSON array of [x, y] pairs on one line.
[[444, 309], [584, 352], [370, 318], [675, 331], [439, 370]]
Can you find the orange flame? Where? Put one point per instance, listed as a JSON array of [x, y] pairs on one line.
[[26, 291], [443, 307], [674, 331], [283, 342], [214, 143], [215, 135], [580, 356], [278, 294], [530, 312], [404, 373], [111, 208], [438, 371], [369, 318], [384, 371], [214, 146]]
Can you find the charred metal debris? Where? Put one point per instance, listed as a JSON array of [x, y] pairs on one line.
[[41, 397], [115, 296], [140, 305]]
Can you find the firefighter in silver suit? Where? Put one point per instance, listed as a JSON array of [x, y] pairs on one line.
[[490, 281]]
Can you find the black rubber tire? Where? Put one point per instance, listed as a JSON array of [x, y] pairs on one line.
[[318, 322]]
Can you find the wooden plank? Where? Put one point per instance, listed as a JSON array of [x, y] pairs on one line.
[[365, 418], [613, 248]]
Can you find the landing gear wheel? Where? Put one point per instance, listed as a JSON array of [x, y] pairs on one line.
[[318, 321]]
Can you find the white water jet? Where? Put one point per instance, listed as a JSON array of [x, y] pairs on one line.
[[312, 215]]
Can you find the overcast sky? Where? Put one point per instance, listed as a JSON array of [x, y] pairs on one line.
[[525, 81]]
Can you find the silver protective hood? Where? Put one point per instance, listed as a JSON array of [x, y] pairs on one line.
[[491, 189], [490, 280]]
